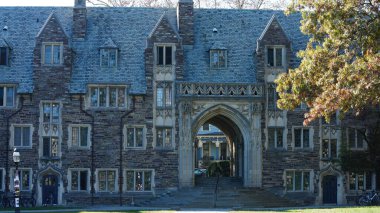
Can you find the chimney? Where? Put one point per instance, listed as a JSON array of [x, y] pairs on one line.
[[79, 19], [185, 21]]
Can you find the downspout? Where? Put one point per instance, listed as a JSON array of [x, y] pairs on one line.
[[92, 180], [7, 146], [121, 151]]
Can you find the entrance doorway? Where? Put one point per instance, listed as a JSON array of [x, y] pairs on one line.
[[49, 190], [329, 189]]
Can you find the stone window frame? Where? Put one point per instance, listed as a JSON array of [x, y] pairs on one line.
[[356, 148], [12, 139], [171, 147], [2, 179], [311, 135], [108, 57], [157, 56], [90, 87], [5, 88], [283, 56], [52, 44], [272, 104], [165, 86], [116, 179], [152, 183], [7, 56], [311, 182], [372, 181], [69, 179], [275, 146], [70, 134], [51, 122], [13, 171], [220, 54], [125, 136]]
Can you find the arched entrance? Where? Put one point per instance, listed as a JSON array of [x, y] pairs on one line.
[[50, 187], [243, 131]]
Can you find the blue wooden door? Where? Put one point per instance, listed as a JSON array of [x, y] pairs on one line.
[[330, 189], [50, 190]]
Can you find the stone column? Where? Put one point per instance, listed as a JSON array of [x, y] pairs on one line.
[[256, 149], [185, 146]]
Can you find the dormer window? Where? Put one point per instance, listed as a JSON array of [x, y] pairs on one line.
[[108, 57], [4, 52], [104, 96], [275, 56], [7, 96], [52, 53], [164, 55], [218, 59]]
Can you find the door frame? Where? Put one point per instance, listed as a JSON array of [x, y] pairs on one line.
[[44, 190], [50, 171]]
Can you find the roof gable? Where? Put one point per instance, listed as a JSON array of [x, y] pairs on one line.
[[272, 25], [52, 20], [164, 23]]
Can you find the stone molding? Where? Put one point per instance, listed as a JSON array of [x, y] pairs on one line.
[[187, 89]]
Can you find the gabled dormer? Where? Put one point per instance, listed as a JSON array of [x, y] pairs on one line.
[[4, 52], [218, 56], [109, 54], [273, 50]]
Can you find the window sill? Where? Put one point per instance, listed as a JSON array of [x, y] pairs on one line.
[[134, 148], [52, 65], [168, 149], [107, 108], [23, 147], [80, 148], [50, 158], [7, 107], [299, 149]]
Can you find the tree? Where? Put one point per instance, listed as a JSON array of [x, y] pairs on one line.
[[133, 3], [243, 4], [340, 67]]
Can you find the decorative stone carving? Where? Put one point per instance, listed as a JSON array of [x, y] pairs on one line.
[[275, 114], [164, 69], [257, 107], [164, 113], [221, 90]]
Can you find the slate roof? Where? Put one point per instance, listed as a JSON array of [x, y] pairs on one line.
[[128, 29], [238, 32]]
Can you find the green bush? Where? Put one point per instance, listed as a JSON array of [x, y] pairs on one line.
[[221, 168]]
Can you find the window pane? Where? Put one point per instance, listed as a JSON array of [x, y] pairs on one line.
[[10, 96], [112, 96], [130, 180], [26, 136], [102, 97], [75, 136], [1, 96], [147, 180], [298, 180], [112, 58], [160, 53], [278, 57], [104, 58], [168, 55], [168, 138], [83, 136], [121, 97], [270, 57], [306, 143], [102, 181], [139, 181], [359, 141], [297, 138], [47, 111], [25, 180], [279, 138], [57, 54], [139, 137], [351, 137], [130, 137], [160, 138], [83, 180], [111, 181], [17, 139], [334, 148], [271, 98], [3, 56], [306, 181], [94, 97], [325, 148], [289, 180], [54, 147], [368, 180], [74, 180], [214, 59], [46, 147], [271, 137], [160, 97], [222, 58], [360, 181], [352, 179], [1, 179], [168, 96], [55, 113], [48, 54]]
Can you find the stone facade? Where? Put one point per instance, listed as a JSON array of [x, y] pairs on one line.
[[138, 84]]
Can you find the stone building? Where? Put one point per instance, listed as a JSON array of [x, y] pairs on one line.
[[105, 103]]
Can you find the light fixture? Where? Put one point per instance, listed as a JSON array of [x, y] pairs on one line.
[[16, 156]]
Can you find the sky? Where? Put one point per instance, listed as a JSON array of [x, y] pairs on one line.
[[68, 3]]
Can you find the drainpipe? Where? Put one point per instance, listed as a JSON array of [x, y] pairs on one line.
[[7, 146], [121, 151], [92, 180]]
